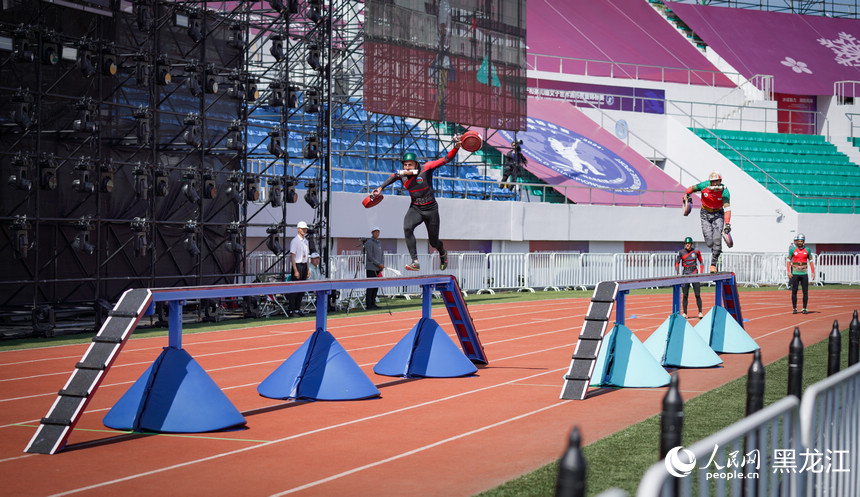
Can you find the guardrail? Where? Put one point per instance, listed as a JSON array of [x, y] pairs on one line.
[[478, 273]]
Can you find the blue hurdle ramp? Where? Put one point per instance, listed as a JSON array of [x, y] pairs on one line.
[[723, 333], [676, 344], [320, 369], [426, 351], [174, 395], [624, 362]]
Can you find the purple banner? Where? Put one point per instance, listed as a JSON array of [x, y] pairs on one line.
[[648, 100], [805, 54]]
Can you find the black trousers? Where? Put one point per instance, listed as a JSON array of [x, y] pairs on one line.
[[685, 289], [370, 293], [801, 280], [295, 299], [430, 218]]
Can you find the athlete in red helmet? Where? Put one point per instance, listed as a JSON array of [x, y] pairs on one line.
[[716, 213], [423, 208], [799, 265]]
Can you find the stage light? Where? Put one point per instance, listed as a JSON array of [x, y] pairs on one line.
[[191, 135], [251, 91], [162, 69], [144, 125], [211, 85], [142, 73], [312, 102], [7, 44], [273, 241], [189, 187], [276, 95], [81, 243], [277, 5], [20, 244], [275, 145], [48, 172], [141, 181], [161, 182], [194, 30], [311, 148], [275, 192], [314, 57], [236, 38], [210, 189], [232, 191], [50, 51], [85, 63], [23, 110], [313, 14], [23, 49], [192, 80], [108, 63], [20, 178], [107, 170], [252, 188], [290, 195], [276, 47], [312, 195], [234, 241], [84, 124], [190, 241], [292, 97], [82, 183], [140, 228], [143, 16], [234, 140]]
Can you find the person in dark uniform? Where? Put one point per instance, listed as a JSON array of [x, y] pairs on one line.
[[799, 265], [373, 265], [690, 261], [423, 207]]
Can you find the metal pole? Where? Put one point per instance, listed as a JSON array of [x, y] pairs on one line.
[[854, 340], [755, 384], [795, 365], [834, 349], [571, 469]]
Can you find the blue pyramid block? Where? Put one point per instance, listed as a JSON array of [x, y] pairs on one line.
[[174, 395], [320, 369], [723, 333], [624, 362], [676, 344], [426, 351]]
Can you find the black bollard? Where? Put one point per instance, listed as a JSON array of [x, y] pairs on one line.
[[571, 469], [854, 340], [755, 384], [795, 365], [671, 419], [834, 349]]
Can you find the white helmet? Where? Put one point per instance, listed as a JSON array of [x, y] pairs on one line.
[[714, 176]]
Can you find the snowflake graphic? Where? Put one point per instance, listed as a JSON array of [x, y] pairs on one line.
[[845, 47], [796, 65]]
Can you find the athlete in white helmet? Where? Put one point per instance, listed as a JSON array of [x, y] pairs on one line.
[[716, 213]]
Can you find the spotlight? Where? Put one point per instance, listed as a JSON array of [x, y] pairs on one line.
[[82, 183], [142, 73], [50, 51], [210, 190], [313, 14], [252, 188], [236, 38], [81, 243], [211, 84], [232, 191], [194, 30], [143, 16], [140, 228], [84, 124], [23, 49], [48, 172], [275, 192], [141, 181], [290, 195], [251, 91], [275, 144], [273, 241], [162, 70], [312, 102], [20, 226], [144, 125], [20, 178], [277, 5], [276, 95], [22, 114], [234, 241], [234, 138], [191, 135], [106, 184], [292, 97], [85, 62], [189, 188], [192, 80], [314, 57], [161, 182], [311, 148], [190, 241], [277, 47], [312, 195], [108, 63]]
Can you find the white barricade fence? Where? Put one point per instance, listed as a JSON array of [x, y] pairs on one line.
[[471, 271], [264, 265], [663, 264], [631, 266], [838, 268], [568, 270], [542, 270], [597, 268], [742, 264], [507, 271], [770, 268]]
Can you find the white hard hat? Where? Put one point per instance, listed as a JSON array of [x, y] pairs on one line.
[[302, 225], [375, 228], [314, 255]]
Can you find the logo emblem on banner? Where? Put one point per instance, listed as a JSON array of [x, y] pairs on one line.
[[577, 157]]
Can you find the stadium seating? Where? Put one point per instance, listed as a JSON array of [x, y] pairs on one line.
[[805, 171]]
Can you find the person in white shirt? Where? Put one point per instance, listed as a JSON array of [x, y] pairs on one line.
[[299, 255]]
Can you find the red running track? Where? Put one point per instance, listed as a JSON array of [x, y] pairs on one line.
[[445, 437]]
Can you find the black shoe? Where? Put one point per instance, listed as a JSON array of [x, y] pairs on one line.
[[794, 311], [804, 311], [372, 307]]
